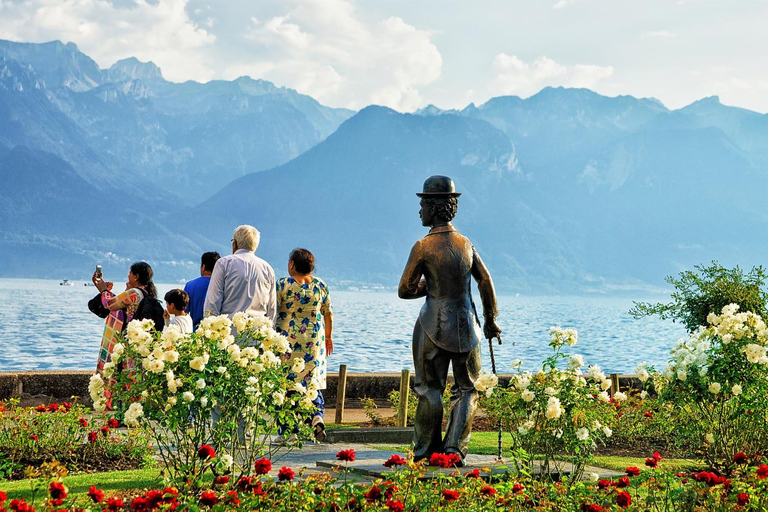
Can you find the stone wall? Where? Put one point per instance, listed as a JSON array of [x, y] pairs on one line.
[[62, 385]]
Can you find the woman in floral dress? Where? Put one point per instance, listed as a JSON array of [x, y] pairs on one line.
[[305, 317]]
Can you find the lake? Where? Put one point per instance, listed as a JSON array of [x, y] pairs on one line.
[[45, 326]]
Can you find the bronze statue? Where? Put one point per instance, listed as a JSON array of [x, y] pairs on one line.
[[447, 331]]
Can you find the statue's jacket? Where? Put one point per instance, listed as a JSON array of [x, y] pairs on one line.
[[446, 259]]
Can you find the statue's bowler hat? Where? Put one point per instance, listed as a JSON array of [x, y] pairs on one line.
[[439, 186]]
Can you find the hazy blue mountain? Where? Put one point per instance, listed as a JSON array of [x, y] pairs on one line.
[[56, 224], [188, 138], [351, 199]]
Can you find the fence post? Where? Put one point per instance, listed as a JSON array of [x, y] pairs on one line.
[[341, 392], [405, 388], [614, 383]]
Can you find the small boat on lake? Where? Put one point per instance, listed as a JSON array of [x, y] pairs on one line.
[[65, 282]]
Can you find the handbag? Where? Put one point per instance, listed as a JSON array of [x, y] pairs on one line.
[[96, 307]]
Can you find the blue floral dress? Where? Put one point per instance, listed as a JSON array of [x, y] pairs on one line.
[[300, 310]]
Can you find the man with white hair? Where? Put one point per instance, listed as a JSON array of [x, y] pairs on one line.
[[242, 281]]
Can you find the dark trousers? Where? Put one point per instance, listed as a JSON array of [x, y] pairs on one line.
[[431, 363]]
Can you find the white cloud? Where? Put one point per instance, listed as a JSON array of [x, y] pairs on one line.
[[159, 31], [325, 49], [515, 76]]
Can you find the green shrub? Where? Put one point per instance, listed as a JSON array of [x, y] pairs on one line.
[[707, 290]]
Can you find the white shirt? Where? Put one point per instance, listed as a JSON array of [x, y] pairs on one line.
[[183, 322], [241, 282]]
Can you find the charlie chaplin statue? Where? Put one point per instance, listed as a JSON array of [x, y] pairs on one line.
[[440, 268]]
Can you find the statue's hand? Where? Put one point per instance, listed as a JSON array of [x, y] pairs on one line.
[[491, 330]]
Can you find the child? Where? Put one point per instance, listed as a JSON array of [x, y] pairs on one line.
[[176, 302]]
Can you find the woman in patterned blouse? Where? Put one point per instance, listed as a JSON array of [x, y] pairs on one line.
[[305, 317]]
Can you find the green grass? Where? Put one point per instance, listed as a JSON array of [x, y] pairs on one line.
[[78, 484]]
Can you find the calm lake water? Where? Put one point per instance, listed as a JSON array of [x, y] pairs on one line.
[[45, 326]]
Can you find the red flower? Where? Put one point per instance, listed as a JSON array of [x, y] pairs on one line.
[[487, 491], [346, 455], [3, 497], [232, 498], [648, 414], [762, 471], [285, 474], [97, 495], [115, 503], [373, 494], [92, 437], [475, 473], [591, 507], [247, 483], [33, 437], [742, 499], [205, 452], [113, 423], [623, 482], [444, 460], [262, 466], [21, 506], [651, 463], [657, 457], [740, 458], [41, 408], [66, 405], [57, 491], [518, 488], [633, 471], [83, 422], [449, 495], [623, 499], [395, 460], [395, 506], [391, 489], [104, 430], [603, 484], [221, 480], [53, 407], [208, 499], [139, 503]]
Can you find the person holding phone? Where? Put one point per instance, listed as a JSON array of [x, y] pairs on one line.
[[122, 306]]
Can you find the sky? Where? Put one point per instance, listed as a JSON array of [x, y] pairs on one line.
[[406, 54]]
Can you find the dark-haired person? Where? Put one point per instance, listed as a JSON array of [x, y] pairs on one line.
[[176, 302], [198, 287], [305, 317], [122, 307]]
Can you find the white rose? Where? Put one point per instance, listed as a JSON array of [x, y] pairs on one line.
[[188, 396], [550, 391], [171, 356], [553, 408], [576, 361], [607, 431], [582, 434], [117, 351], [682, 374], [486, 382], [619, 396], [204, 401], [594, 477], [603, 397], [297, 365], [132, 415], [605, 384], [528, 395], [736, 390], [198, 363], [221, 369], [278, 397], [200, 384], [714, 388], [643, 394]]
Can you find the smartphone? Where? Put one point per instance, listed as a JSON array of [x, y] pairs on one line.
[[98, 270]]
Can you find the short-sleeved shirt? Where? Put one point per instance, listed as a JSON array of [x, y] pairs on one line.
[[300, 311], [196, 289]]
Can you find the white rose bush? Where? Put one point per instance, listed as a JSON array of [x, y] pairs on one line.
[[210, 399], [718, 379], [556, 413]]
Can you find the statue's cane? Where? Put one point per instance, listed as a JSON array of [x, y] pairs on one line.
[[493, 367]]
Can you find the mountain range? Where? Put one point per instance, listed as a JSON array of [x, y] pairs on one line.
[[567, 191]]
